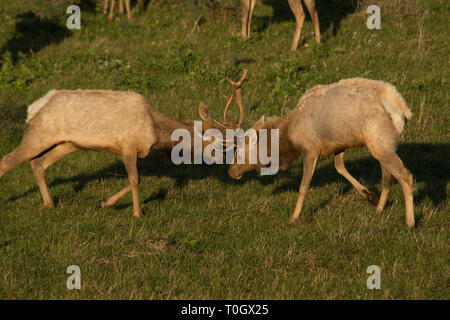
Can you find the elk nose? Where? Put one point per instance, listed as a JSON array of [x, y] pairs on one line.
[[233, 174]]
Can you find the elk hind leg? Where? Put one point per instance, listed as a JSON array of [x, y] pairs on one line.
[[127, 4], [111, 11], [130, 161], [314, 17], [39, 165], [120, 7], [247, 7], [30, 147], [342, 170], [116, 197], [105, 6], [389, 159], [386, 183]]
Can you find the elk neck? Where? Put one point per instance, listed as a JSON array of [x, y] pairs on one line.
[[164, 126], [287, 151]]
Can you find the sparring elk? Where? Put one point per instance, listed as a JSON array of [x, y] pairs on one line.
[[118, 122], [332, 118], [247, 7]]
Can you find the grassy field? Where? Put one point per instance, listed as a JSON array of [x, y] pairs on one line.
[[205, 236]]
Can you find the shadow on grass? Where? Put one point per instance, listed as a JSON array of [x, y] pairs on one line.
[[33, 32], [429, 164], [331, 13], [155, 165]]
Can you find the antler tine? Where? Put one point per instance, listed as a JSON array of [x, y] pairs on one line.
[[236, 90], [238, 84]]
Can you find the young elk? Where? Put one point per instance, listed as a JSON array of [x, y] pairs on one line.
[[111, 9], [331, 118], [122, 123], [247, 7]]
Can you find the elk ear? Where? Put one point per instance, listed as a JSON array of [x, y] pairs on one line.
[[203, 111], [258, 125]]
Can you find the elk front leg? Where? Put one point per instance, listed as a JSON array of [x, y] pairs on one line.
[[309, 164], [297, 10], [130, 161], [247, 7]]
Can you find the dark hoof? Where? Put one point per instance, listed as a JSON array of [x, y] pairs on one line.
[[370, 197], [99, 205]]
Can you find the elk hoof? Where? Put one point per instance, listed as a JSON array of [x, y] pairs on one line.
[[292, 220], [100, 204], [49, 205], [138, 214], [410, 223], [369, 196]]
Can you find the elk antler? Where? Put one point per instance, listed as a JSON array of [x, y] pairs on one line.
[[237, 97]]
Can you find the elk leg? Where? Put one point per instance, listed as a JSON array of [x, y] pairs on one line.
[[130, 161], [116, 197], [105, 6], [386, 183], [111, 11], [309, 164], [39, 165], [120, 7], [127, 4], [390, 161], [340, 168], [310, 5], [297, 10], [28, 149], [395, 166], [247, 7]]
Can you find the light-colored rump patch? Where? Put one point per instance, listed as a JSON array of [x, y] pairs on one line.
[[396, 106], [36, 106]]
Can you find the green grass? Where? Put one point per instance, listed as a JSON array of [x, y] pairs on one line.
[[205, 235]]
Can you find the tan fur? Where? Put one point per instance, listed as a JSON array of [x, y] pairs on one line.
[[123, 123], [248, 6], [329, 119]]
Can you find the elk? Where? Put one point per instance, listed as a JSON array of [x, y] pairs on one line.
[[247, 7], [118, 122], [331, 118], [111, 9]]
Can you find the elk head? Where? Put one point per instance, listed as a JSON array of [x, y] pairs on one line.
[[242, 162]]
